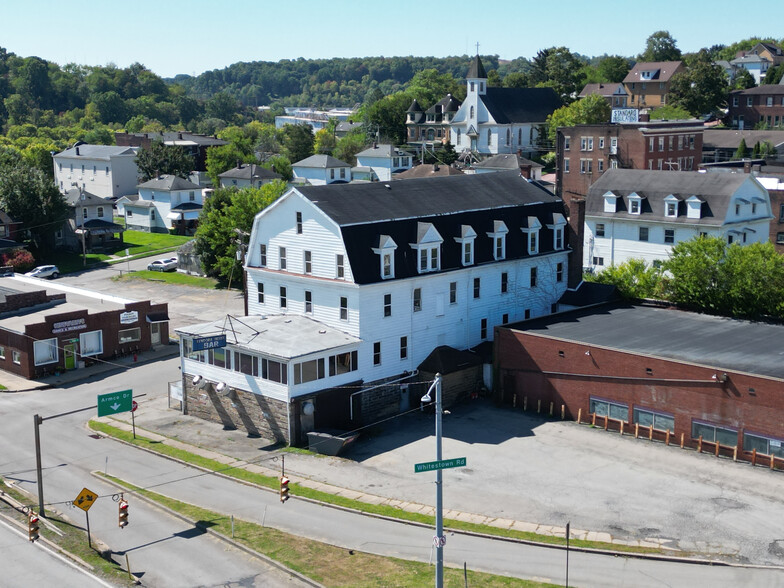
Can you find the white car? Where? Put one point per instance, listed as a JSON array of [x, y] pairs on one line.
[[163, 265], [44, 271]]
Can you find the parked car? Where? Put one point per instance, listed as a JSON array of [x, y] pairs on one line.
[[163, 265], [44, 271]]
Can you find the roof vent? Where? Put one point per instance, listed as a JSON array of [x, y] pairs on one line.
[[387, 186], [322, 331], [77, 150]]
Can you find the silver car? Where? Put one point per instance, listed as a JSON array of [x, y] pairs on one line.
[[163, 265], [44, 271]]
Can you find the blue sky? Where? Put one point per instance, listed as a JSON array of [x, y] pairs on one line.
[[175, 36]]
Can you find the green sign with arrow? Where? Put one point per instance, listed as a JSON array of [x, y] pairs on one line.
[[115, 402]]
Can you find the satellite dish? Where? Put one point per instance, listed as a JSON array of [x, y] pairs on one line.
[[308, 409]]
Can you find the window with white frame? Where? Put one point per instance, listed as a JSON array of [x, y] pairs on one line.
[[600, 165], [308, 262], [282, 257], [498, 235], [299, 223], [534, 276], [614, 410], [91, 343], [309, 371], [343, 308], [557, 227], [586, 143], [634, 204], [601, 142], [16, 357], [532, 234], [466, 241], [671, 206], [377, 353], [417, 304], [44, 352], [599, 232], [586, 166], [428, 247], [386, 252], [260, 292], [567, 141], [453, 292], [566, 165], [403, 347], [343, 363], [263, 255], [387, 305], [2, 352], [283, 297], [340, 269], [643, 233], [308, 302], [658, 420], [669, 236], [504, 282]]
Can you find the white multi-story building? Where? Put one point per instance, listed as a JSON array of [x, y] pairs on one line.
[[164, 203], [318, 170], [105, 171], [383, 161], [388, 272], [500, 120], [641, 214]]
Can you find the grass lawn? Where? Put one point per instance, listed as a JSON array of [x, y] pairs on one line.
[[380, 509], [327, 564], [137, 243], [172, 278]]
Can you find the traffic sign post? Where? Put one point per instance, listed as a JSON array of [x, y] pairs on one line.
[[84, 501], [134, 406], [115, 402]]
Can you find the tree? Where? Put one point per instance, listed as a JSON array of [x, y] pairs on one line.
[[755, 151], [740, 152], [224, 157], [562, 72], [493, 79], [516, 79], [743, 80], [428, 87], [296, 141], [634, 279], [160, 158], [694, 267], [325, 142], [669, 112], [702, 88], [660, 46], [348, 146], [772, 76], [591, 109], [281, 165], [29, 196], [613, 68], [228, 209], [223, 106]]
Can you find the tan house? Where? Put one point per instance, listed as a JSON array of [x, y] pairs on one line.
[[648, 83]]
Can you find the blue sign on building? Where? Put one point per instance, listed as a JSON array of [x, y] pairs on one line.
[[202, 343]]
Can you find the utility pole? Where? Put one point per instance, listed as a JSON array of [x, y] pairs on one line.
[[439, 540], [37, 420]]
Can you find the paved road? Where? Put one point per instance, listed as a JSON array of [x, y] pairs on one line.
[[164, 555], [163, 550], [24, 564]]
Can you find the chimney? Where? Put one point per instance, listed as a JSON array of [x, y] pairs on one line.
[[239, 164], [77, 150], [179, 136], [576, 235], [645, 117], [746, 166], [519, 153]]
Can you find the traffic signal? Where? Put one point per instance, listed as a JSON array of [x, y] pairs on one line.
[[284, 488], [32, 525], [123, 514]]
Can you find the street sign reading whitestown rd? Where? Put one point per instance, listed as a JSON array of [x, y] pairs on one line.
[[429, 466]]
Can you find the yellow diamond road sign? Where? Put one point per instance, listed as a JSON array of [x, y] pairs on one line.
[[85, 499]]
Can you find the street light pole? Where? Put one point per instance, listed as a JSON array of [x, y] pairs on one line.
[[439, 540]]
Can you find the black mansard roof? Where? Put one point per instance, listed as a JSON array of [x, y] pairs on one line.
[[365, 212]]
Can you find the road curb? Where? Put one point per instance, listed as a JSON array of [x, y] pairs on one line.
[[590, 550], [212, 532]]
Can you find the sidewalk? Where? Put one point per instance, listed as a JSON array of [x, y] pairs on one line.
[[15, 383], [232, 448]]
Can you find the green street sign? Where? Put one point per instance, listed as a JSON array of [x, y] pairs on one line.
[[429, 466], [114, 402]]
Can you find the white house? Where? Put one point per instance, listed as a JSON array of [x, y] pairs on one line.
[[385, 160], [500, 120], [318, 170], [164, 203], [103, 170], [246, 175], [398, 269], [90, 223], [642, 213]]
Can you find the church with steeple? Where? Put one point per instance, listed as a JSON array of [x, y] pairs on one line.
[[500, 120]]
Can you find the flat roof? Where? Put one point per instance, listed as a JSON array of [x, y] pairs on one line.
[[280, 335], [76, 299], [718, 342]]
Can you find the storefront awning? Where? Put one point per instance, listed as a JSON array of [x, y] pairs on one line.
[[157, 317]]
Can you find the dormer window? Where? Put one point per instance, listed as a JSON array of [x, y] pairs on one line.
[[635, 203], [532, 232], [557, 227], [694, 207], [466, 240], [671, 206], [428, 246], [386, 252], [610, 202], [498, 235]]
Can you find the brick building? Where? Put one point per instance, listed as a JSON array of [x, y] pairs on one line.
[[585, 152], [692, 375], [44, 331], [194, 144], [760, 105]]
